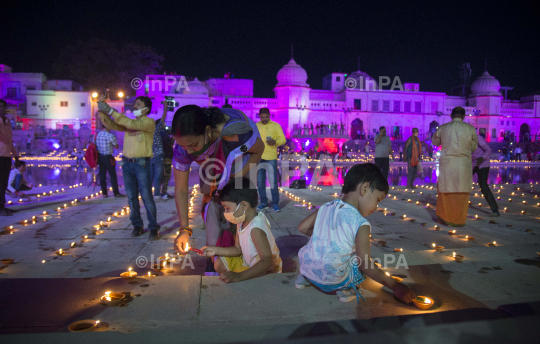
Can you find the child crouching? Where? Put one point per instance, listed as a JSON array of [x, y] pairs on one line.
[[255, 251], [16, 182], [340, 236]]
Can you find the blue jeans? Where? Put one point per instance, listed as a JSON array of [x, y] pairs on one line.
[[137, 179], [269, 166], [156, 173]]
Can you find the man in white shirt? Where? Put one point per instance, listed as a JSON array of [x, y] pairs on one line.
[[458, 140], [518, 152], [383, 148], [28, 143]]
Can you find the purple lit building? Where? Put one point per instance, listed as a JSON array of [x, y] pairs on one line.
[[358, 101]]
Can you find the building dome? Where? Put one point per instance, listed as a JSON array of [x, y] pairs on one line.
[[292, 74], [486, 85], [360, 81], [195, 87]]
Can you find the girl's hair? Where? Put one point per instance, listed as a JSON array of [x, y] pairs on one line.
[[193, 120], [18, 163], [365, 173], [245, 191]]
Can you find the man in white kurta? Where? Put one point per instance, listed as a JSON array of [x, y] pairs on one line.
[[457, 140]]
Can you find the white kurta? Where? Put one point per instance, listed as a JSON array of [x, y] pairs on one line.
[[457, 140]]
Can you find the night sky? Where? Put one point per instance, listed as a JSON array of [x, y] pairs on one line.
[[422, 42]]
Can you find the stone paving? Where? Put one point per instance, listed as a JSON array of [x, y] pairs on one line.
[[44, 292]]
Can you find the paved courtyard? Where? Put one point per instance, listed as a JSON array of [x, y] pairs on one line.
[[43, 292]]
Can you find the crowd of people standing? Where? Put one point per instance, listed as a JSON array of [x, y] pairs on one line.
[[334, 128]]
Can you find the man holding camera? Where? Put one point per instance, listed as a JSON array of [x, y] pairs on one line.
[[137, 152], [273, 137]]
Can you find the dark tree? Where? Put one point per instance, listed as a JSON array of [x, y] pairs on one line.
[[99, 64]]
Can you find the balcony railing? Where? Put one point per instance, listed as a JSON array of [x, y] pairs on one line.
[[320, 133]]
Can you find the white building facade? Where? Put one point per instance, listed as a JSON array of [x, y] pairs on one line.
[[356, 97]]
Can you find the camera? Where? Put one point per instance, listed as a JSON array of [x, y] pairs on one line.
[[171, 104]]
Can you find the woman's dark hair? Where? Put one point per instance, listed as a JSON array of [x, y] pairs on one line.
[[245, 192], [365, 173], [18, 163], [146, 101], [193, 120]]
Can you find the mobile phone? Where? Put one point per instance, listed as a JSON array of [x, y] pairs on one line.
[[106, 93], [171, 104]]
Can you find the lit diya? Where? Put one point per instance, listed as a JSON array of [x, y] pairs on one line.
[[112, 299], [128, 274], [398, 250], [60, 252], [437, 248], [437, 228], [458, 257], [492, 243], [452, 232], [470, 238], [423, 302]]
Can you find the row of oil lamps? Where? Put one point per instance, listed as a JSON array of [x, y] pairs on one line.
[[50, 193]]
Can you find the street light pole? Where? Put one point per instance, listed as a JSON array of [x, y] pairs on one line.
[[43, 108]]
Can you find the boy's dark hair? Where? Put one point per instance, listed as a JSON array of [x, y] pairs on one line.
[[146, 101], [248, 193], [18, 163], [365, 173], [2, 101]]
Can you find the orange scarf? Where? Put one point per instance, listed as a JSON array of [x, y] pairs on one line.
[[415, 152]]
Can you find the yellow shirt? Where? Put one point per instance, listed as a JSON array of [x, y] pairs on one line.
[[139, 133], [273, 130]]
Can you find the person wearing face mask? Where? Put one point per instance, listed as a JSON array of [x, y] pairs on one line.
[[412, 156], [137, 152], [337, 256], [255, 251], [225, 143], [272, 133]]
